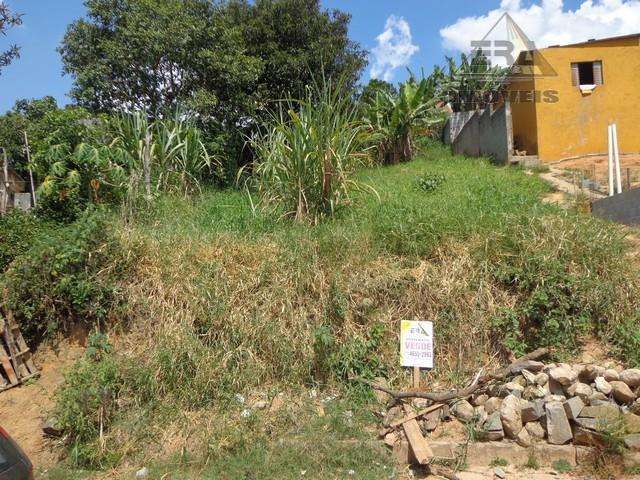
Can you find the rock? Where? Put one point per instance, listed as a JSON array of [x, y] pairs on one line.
[[631, 377], [542, 379], [529, 377], [573, 407], [52, 427], [531, 365], [532, 411], [463, 410], [558, 428], [581, 390], [510, 414], [391, 438], [493, 427], [611, 375], [585, 422], [603, 386], [597, 397], [631, 422], [480, 414], [608, 411], [512, 388], [381, 397], [586, 437], [401, 452], [632, 442], [431, 421], [564, 375], [554, 387], [260, 405], [520, 380], [555, 398], [621, 392], [635, 407], [499, 473], [479, 400], [393, 414], [523, 438], [535, 430], [590, 372], [534, 391], [142, 473], [492, 405]]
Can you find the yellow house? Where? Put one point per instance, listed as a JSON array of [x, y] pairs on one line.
[[564, 97]]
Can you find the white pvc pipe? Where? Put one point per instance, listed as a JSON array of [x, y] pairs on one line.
[[610, 134], [616, 154]]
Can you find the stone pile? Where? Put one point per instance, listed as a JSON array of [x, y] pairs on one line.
[[553, 403]]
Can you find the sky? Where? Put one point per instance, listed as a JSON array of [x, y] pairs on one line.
[[399, 34]]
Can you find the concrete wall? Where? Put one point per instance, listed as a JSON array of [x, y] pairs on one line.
[[622, 208], [576, 124], [481, 133]]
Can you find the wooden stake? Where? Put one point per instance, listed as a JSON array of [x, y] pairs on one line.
[[419, 445], [33, 189], [416, 378], [4, 205]]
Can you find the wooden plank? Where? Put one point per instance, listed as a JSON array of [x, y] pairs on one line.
[[19, 340], [6, 364], [419, 445]]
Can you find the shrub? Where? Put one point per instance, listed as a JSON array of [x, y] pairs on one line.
[[17, 232], [307, 154], [86, 404], [566, 284], [429, 181], [69, 276]]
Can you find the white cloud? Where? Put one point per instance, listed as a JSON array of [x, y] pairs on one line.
[[394, 49], [547, 22]]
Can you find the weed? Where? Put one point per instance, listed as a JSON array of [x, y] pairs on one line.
[[532, 462], [498, 462], [429, 182], [562, 466]]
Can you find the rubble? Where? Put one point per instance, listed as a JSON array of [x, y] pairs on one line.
[[555, 404]]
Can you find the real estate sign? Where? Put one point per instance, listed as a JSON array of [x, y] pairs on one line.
[[416, 344]]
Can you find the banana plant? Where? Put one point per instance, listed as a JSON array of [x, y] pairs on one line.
[[394, 119]]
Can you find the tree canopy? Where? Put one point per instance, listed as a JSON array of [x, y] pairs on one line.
[[8, 19], [227, 60]]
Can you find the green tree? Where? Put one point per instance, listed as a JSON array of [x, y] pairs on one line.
[[229, 61], [25, 116], [370, 90], [8, 19], [153, 54]]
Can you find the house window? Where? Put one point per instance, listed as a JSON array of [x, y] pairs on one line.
[[586, 73]]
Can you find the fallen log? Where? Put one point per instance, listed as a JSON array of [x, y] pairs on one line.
[[479, 381]]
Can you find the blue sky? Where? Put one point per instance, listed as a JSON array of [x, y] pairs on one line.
[[38, 72]]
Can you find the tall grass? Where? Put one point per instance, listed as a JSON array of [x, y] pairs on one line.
[[307, 154]]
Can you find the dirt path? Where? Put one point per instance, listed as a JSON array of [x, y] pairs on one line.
[[23, 409]]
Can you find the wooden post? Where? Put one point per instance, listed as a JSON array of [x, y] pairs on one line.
[[416, 378], [4, 203], [33, 188]]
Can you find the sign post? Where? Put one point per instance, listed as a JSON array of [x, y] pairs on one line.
[[416, 347]]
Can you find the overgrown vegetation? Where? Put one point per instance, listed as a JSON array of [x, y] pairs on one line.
[[308, 153], [259, 305]]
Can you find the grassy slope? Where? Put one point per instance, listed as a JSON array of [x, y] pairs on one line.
[[226, 300]]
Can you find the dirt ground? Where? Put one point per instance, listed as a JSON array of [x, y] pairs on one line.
[[597, 168], [23, 409]]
